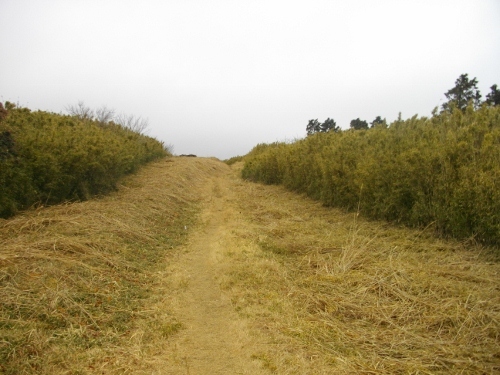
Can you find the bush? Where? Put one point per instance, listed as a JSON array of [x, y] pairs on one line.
[[48, 158], [443, 170], [233, 160]]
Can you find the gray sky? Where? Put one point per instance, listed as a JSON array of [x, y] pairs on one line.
[[216, 77]]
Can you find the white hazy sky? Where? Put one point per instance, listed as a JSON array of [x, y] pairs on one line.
[[216, 77]]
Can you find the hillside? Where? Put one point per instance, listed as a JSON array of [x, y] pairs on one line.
[[441, 172], [188, 269]]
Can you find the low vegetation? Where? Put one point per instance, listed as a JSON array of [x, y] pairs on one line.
[[88, 287], [81, 284], [442, 171], [339, 294], [233, 160], [47, 158]]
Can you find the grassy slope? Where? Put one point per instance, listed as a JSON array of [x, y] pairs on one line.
[[344, 295], [78, 284], [80, 288]]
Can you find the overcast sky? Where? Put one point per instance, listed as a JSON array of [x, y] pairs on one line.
[[216, 77]]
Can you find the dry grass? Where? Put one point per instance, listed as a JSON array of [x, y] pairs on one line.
[[83, 286], [343, 295], [79, 283]]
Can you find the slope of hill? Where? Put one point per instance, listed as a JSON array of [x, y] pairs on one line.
[[78, 279], [188, 269]]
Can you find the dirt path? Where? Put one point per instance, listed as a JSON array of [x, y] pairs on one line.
[[270, 282], [215, 340], [266, 282]]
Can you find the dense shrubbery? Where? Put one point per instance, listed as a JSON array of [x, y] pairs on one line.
[[233, 160], [47, 158], [443, 170]]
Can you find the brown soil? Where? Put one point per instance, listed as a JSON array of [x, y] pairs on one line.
[[216, 340]]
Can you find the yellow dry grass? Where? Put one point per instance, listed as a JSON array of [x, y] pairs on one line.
[[92, 287], [79, 283], [339, 294]]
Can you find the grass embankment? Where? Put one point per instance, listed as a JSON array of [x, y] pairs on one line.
[[80, 290], [338, 294], [47, 158], [442, 171]]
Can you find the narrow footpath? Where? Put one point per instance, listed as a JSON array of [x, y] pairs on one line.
[[215, 339]]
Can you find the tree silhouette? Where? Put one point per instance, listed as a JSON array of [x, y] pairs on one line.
[[379, 122], [314, 126], [493, 98], [358, 124], [465, 90]]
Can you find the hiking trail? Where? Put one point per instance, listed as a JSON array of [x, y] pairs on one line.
[[215, 339]]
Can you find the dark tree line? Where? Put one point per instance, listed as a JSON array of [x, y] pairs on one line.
[[358, 124], [314, 126], [493, 98], [464, 92]]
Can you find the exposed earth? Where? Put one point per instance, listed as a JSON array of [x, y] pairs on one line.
[[216, 340]]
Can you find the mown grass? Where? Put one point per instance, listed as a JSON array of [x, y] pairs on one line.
[[81, 286], [336, 293]]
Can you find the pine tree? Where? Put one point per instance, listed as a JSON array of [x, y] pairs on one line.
[[493, 98], [465, 90]]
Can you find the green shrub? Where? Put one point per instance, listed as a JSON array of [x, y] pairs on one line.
[[443, 170], [48, 158], [233, 160]]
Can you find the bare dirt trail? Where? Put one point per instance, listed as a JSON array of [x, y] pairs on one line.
[[215, 339]]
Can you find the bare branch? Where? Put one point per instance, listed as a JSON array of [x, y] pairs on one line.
[[81, 111], [104, 114], [136, 124]]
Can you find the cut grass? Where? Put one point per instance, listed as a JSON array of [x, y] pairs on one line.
[[346, 295], [80, 286]]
